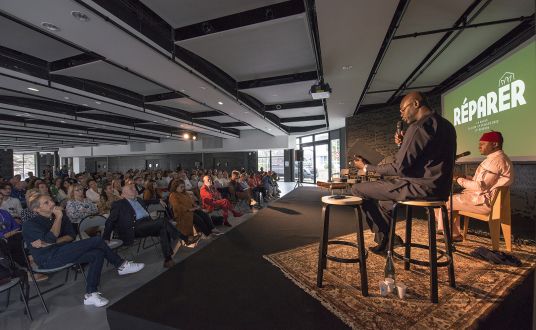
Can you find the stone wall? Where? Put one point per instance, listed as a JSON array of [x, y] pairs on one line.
[[371, 133]]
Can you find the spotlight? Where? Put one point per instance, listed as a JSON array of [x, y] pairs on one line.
[[194, 137], [186, 136]]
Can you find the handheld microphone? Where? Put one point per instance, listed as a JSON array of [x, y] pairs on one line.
[[463, 154], [399, 128]]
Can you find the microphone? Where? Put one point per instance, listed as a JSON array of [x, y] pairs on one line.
[[399, 128], [463, 154]]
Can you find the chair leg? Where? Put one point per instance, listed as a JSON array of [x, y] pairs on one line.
[[25, 299], [432, 253], [323, 248], [362, 255], [465, 225], [38, 291], [495, 233], [407, 243], [392, 229], [448, 244], [506, 226]]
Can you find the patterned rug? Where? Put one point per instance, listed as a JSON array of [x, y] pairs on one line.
[[481, 286]]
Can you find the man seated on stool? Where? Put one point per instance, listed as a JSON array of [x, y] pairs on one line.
[[129, 218], [495, 171], [424, 165], [49, 235]]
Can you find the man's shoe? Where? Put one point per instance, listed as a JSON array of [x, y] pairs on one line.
[[398, 241], [129, 267], [169, 263], [378, 249], [95, 299]]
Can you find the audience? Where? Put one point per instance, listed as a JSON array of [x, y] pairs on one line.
[[107, 197], [78, 207], [50, 237], [212, 200]]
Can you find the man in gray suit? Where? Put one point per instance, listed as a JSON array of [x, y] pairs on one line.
[[423, 165]]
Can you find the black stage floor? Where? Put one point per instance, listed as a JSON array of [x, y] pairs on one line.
[[228, 284]]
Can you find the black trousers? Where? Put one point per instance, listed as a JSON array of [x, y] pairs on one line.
[[158, 228], [378, 199], [14, 246], [202, 222]]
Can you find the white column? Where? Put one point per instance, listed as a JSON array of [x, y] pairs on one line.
[[79, 164]]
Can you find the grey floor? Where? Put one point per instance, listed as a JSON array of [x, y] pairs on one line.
[[67, 310]]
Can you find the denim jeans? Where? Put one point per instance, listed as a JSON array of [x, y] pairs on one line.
[[92, 251]]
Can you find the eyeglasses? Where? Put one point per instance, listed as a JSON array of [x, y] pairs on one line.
[[404, 108]]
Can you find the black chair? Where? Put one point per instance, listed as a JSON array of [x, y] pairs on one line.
[[14, 282], [432, 262]]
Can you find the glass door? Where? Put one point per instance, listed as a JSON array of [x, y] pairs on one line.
[[308, 171], [322, 162]]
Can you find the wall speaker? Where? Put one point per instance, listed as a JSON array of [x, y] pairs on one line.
[[298, 155]]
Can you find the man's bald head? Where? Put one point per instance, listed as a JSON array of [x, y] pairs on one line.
[[413, 106]]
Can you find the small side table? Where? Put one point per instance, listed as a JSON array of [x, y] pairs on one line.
[[355, 203]]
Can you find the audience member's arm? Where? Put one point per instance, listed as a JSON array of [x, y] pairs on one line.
[[112, 219], [67, 230]]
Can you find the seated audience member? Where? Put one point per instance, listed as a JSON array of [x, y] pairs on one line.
[[138, 182], [257, 188], [8, 203], [222, 183], [129, 219], [92, 193], [78, 207], [42, 188], [10, 230], [267, 184], [495, 171], [117, 187], [186, 213], [18, 191], [150, 195], [50, 237], [55, 188], [26, 213], [211, 199], [107, 197]]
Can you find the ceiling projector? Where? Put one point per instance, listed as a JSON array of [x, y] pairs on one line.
[[320, 91]]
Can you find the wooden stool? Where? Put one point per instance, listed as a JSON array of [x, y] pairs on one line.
[[355, 203], [431, 247]]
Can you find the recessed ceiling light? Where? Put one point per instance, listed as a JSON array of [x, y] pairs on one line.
[[154, 121], [203, 87], [269, 129], [33, 89], [181, 125], [66, 97], [50, 26], [220, 102], [62, 121], [246, 112], [80, 16], [347, 67], [232, 113], [79, 133], [166, 120], [84, 104], [97, 102], [341, 102], [183, 90]]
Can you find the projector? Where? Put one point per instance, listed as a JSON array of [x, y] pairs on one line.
[[320, 91]]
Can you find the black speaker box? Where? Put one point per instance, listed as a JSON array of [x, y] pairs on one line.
[[298, 155]]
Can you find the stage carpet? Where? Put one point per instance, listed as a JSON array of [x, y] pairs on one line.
[[230, 285], [481, 286]]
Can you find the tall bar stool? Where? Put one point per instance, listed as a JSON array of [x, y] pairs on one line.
[[355, 203], [431, 247]]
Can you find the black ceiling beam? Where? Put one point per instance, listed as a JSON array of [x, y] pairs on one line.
[[301, 129], [294, 105], [163, 97], [501, 47], [235, 124], [278, 80], [407, 88], [464, 19], [207, 114], [393, 26], [76, 60], [20, 62], [250, 17], [305, 118], [463, 27]]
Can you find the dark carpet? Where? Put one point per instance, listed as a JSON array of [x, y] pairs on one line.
[[230, 285]]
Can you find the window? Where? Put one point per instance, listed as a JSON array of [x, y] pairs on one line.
[[321, 137], [23, 163], [335, 158], [307, 139], [278, 162], [263, 160]]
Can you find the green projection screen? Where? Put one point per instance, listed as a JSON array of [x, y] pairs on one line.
[[500, 98]]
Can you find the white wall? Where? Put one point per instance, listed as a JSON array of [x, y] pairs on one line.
[[249, 140]]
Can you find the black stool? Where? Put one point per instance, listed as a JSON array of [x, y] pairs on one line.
[[432, 262], [355, 203]]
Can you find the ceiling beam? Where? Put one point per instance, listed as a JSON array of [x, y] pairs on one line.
[[298, 129], [294, 105], [278, 80], [235, 124], [234, 21], [393, 26], [436, 50], [464, 26], [163, 97], [305, 118], [207, 114], [76, 60]]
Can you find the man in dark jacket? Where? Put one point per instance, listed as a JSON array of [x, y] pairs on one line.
[[423, 165], [130, 219]]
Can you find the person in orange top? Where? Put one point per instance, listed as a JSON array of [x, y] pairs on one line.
[[211, 199]]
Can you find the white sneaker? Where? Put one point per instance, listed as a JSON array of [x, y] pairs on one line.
[[96, 299], [129, 267]]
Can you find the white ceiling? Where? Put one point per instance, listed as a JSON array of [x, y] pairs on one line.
[[183, 104], [299, 112], [180, 13], [306, 123], [275, 94], [267, 49]]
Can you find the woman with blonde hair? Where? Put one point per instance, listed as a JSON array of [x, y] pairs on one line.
[[78, 206], [116, 186], [107, 197]]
